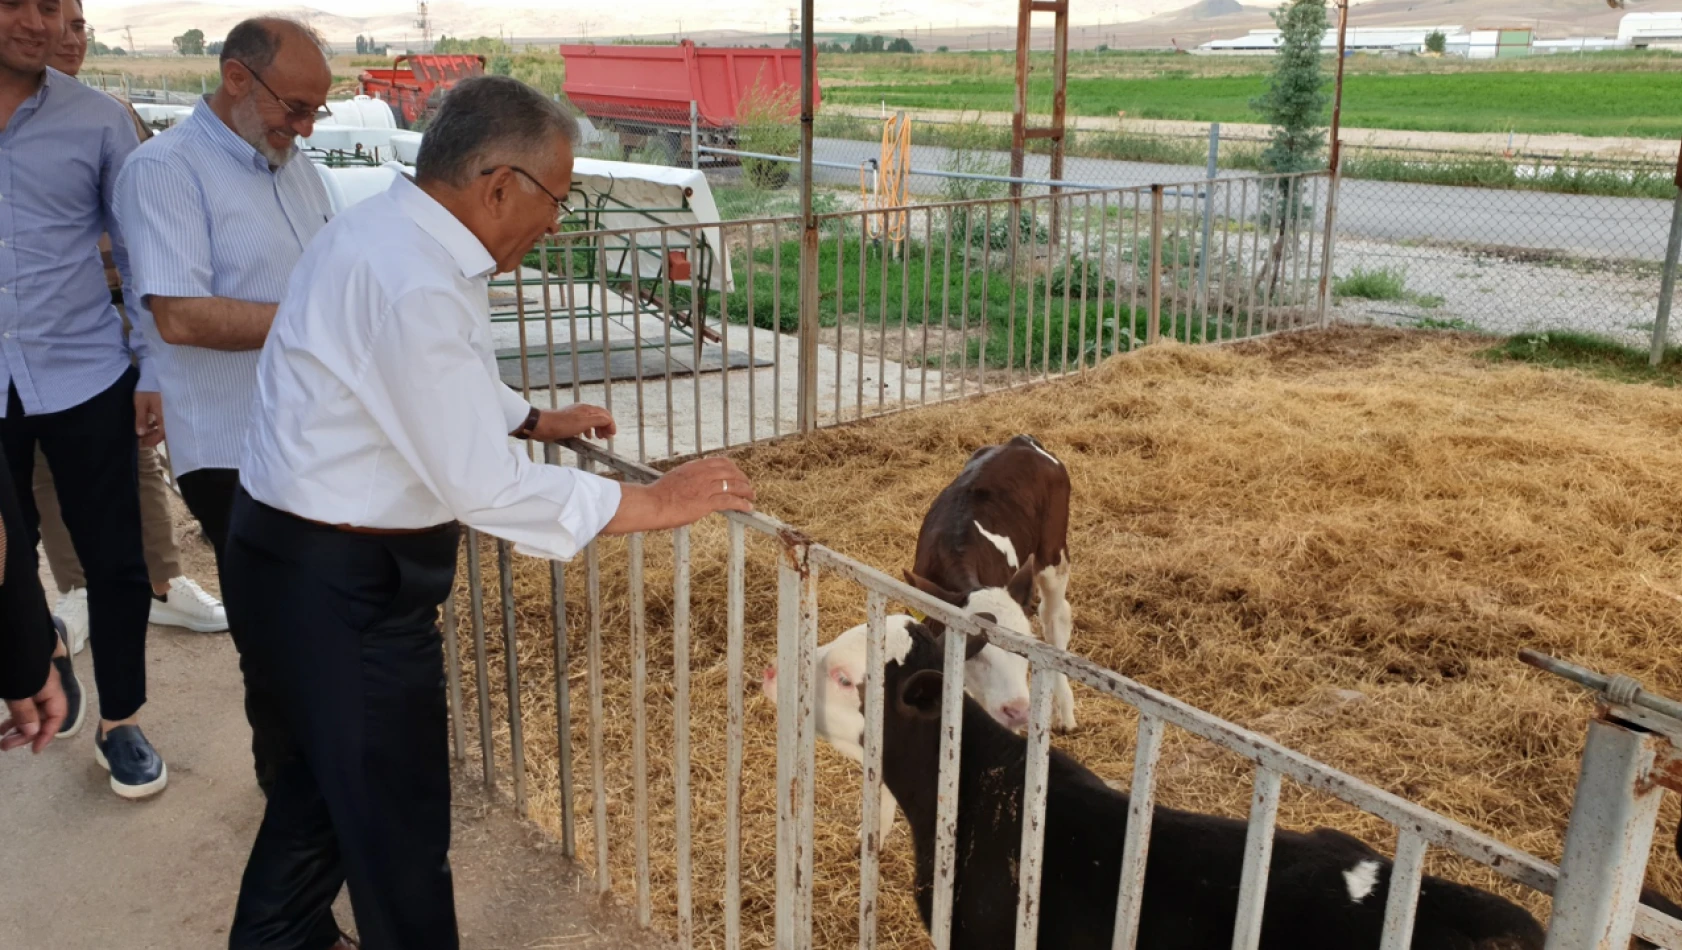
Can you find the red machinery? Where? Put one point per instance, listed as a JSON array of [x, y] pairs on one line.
[[414, 92], [643, 92]]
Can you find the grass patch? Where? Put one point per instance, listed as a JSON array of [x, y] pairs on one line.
[[1381, 283], [1595, 355]]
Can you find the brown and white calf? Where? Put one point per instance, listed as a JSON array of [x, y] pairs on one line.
[[1003, 522]]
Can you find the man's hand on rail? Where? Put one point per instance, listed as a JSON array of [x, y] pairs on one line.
[[580, 421], [682, 496]]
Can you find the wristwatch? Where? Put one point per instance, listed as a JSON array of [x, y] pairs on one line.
[[526, 427]]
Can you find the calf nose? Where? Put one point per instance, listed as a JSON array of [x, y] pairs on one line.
[[769, 685], [1015, 713]]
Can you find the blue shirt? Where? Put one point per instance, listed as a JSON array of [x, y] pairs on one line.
[[61, 339], [207, 217]]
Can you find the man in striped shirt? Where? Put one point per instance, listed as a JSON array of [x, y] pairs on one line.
[[73, 384], [218, 211]]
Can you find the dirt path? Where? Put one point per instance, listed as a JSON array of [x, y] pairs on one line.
[[84, 870]]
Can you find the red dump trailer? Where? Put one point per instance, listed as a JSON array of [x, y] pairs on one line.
[[642, 93], [414, 91]]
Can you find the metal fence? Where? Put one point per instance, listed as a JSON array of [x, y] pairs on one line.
[[692, 335], [1611, 828]]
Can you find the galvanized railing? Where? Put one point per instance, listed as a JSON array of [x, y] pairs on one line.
[[799, 564], [698, 342]]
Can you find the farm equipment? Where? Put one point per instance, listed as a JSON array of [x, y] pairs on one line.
[[413, 92], [642, 93]]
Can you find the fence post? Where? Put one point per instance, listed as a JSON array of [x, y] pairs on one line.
[[1667, 285], [694, 137], [1335, 185], [1208, 213], [1607, 841], [166, 90], [807, 364], [1153, 326]]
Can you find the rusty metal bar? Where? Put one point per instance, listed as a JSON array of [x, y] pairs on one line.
[[795, 750], [807, 365], [946, 808], [870, 849], [1337, 84], [511, 658], [563, 688], [598, 766], [639, 719], [1141, 811], [736, 594], [1035, 789], [1019, 114], [481, 665], [680, 728], [452, 674], [1258, 855]]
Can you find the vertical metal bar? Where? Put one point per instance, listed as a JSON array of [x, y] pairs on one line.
[[945, 302], [1405, 874], [807, 366], [598, 768], [666, 353], [1226, 267], [1035, 787], [1337, 84], [1014, 265], [884, 254], [635, 297], [1607, 843], [1135, 848], [511, 657], [777, 328], [694, 137], [1050, 259], [1258, 855], [1667, 283], [723, 344], [806, 765], [680, 726], [986, 319], [963, 306], [928, 276], [563, 688], [1058, 207], [639, 719], [1085, 273], [572, 318], [452, 673], [698, 320], [1059, 99], [841, 301], [794, 738], [1153, 328], [1254, 278], [481, 665], [753, 364], [1210, 174], [864, 295], [1133, 275], [904, 305], [520, 323], [548, 326], [607, 326], [946, 807], [870, 850], [1019, 115], [733, 764]]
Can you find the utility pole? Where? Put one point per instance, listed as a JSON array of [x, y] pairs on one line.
[[129, 31], [424, 21]]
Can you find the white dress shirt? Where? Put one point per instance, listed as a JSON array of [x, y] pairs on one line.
[[378, 402]]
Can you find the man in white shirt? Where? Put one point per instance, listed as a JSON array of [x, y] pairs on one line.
[[380, 424]]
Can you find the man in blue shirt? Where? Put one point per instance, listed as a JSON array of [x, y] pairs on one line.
[[72, 385], [217, 212]]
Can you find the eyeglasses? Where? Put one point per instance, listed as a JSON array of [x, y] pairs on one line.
[[294, 111], [560, 205]]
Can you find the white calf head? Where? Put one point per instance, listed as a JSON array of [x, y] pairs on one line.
[[997, 678], [840, 666]]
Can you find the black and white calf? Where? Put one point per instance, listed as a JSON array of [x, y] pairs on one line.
[[1001, 524], [1326, 890]]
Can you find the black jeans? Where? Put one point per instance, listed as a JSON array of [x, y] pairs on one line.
[[96, 471], [209, 494], [343, 629], [27, 639]]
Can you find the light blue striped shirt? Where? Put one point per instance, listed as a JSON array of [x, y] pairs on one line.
[[207, 217], [61, 340]]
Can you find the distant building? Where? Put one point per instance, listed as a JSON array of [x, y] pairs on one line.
[[1650, 31], [1475, 44]]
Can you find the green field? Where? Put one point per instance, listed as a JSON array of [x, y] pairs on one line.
[[1641, 104]]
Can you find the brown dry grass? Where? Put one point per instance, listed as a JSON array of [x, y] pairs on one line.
[[1340, 539]]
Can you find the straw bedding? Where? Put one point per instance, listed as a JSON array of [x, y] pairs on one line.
[[1340, 539]]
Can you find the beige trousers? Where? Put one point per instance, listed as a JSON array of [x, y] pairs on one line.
[[163, 559]]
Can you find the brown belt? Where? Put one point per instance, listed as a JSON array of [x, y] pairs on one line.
[[358, 529]]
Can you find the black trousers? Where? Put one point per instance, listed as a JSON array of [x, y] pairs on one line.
[[96, 471], [27, 639], [343, 629], [209, 494]]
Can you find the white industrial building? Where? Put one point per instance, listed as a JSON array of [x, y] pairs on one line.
[[1635, 31]]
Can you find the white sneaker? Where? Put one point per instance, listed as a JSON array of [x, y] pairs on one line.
[[73, 610], [189, 606]]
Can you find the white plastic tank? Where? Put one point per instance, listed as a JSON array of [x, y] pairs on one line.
[[347, 186], [361, 112], [406, 146], [339, 138]]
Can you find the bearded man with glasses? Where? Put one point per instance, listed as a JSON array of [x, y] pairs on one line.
[[219, 210]]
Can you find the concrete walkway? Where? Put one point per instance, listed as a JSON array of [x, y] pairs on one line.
[[81, 869]]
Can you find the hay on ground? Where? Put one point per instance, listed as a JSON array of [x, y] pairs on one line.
[[1340, 539]]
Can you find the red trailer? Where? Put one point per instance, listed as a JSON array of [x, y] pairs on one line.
[[643, 92], [414, 92]]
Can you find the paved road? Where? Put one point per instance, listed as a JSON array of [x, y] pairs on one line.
[[1625, 228]]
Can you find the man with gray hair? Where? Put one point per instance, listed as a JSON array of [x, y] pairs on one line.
[[219, 211], [381, 425]]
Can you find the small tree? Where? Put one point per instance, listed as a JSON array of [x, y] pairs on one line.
[[901, 45], [361, 45], [861, 44], [768, 122], [1436, 42], [1295, 101], [190, 43]]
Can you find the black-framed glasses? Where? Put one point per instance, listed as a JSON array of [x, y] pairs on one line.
[[294, 111], [560, 204]]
